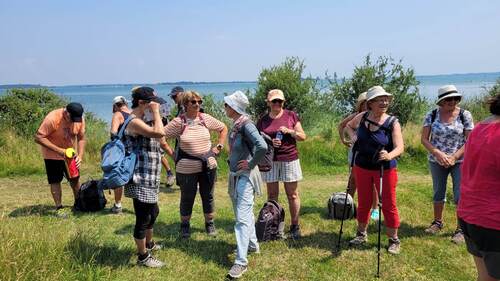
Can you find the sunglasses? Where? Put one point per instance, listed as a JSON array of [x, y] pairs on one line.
[[277, 101], [193, 102], [452, 99]]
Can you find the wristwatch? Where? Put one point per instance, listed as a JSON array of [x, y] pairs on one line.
[[220, 146]]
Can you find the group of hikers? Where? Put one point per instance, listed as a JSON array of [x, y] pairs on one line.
[[469, 153]]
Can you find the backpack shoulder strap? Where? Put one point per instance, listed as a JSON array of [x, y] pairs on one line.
[[124, 126], [433, 115], [461, 116]]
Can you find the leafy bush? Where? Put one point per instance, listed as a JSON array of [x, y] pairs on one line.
[[23, 110], [477, 105], [300, 93], [393, 76]]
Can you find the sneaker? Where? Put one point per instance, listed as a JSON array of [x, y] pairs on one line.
[[210, 228], [360, 239], [150, 261], [375, 214], [435, 227], [237, 271], [251, 250], [170, 180], [116, 210], [458, 237], [394, 246], [295, 232], [61, 212], [153, 246], [185, 230]]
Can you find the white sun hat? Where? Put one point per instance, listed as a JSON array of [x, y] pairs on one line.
[[237, 101], [447, 91], [376, 91], [119, 99]]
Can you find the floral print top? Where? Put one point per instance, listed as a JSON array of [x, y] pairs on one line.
[[448, 137]]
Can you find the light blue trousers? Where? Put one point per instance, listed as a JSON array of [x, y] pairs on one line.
[[244, 228]]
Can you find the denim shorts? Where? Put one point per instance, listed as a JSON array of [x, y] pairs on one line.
[[440, 180]]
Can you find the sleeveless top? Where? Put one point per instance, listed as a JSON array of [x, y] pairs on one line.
[[125, 116], [370, 143]]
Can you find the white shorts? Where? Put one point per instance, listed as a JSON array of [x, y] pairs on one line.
[[283, 171]]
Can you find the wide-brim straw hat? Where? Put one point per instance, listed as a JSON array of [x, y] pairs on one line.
[[360, 100], [238, 101], [376, 91], [447, 91]]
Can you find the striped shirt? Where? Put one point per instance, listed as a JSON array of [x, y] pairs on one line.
[[195, 140]]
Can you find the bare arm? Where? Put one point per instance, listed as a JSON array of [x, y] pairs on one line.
[[397, 138], [352, 125], [438, 154], [221, 140], [115, 122], [297, 132], [458, 154], [43, 141], [138, 126], [165, 146], [342, 126]]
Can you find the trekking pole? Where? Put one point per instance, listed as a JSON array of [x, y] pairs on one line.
[[346, 194], [379, 218]]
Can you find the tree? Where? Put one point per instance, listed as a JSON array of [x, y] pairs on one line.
[[407, 103], [299, 92]]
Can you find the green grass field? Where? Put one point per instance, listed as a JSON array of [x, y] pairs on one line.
[[36, 245]]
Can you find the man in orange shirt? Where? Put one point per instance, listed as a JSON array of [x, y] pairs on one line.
[[61, 129]]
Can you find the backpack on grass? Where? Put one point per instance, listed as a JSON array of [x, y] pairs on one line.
[[117, 163], [90, 197], [270, 224], [336, 206]]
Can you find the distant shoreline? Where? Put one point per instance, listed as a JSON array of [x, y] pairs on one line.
[[483, 76]]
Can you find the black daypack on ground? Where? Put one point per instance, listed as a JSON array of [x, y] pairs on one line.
[[270, 224], [336, 206], [90, 197]]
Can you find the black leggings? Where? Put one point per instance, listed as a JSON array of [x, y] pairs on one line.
[[189, 184], [145, 217]]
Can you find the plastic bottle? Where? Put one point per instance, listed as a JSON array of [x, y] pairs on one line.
[[279, 135], [70, 161]]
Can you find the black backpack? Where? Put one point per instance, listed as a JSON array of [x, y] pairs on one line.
[[90, 197], [336, 206], [270, 224]]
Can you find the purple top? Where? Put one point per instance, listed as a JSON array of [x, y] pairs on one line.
[[287, 152]]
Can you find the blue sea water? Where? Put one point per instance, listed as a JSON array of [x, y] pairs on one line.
[[98, 98]]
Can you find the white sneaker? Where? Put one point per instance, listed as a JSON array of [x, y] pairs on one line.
[[170, 180], [150, 261], [237, 271]]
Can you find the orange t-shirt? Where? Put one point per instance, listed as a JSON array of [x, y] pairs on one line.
[[60, 132]]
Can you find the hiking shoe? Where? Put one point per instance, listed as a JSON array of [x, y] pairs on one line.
[[394, 246], [360, 239], [458, 237], [150, 261], [435, 227], [237, 271], [295, 232], [116, 210], [210, 228], [153, 246], [185, 230], [170, 180], [375, 214], [61, 212]]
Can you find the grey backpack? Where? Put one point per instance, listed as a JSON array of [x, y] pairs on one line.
[[336, 206]]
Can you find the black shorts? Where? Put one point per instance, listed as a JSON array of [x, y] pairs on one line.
[[483, 243], [56, 170]]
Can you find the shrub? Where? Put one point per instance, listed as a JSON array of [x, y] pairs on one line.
[[386, 72], [23, 110], [300, 93], [477, 105]]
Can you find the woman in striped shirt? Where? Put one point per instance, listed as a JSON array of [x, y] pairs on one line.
[[195, 159]]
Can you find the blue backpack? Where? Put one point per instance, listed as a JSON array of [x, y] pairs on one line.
[[117, 163]]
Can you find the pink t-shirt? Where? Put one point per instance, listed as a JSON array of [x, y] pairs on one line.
[[288, 150], [195, 140], [480, 183]]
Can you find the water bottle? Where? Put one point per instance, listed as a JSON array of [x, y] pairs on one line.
[[70, 161], [279, 135]]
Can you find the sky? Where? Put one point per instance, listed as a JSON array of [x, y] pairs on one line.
[[120, 41]]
